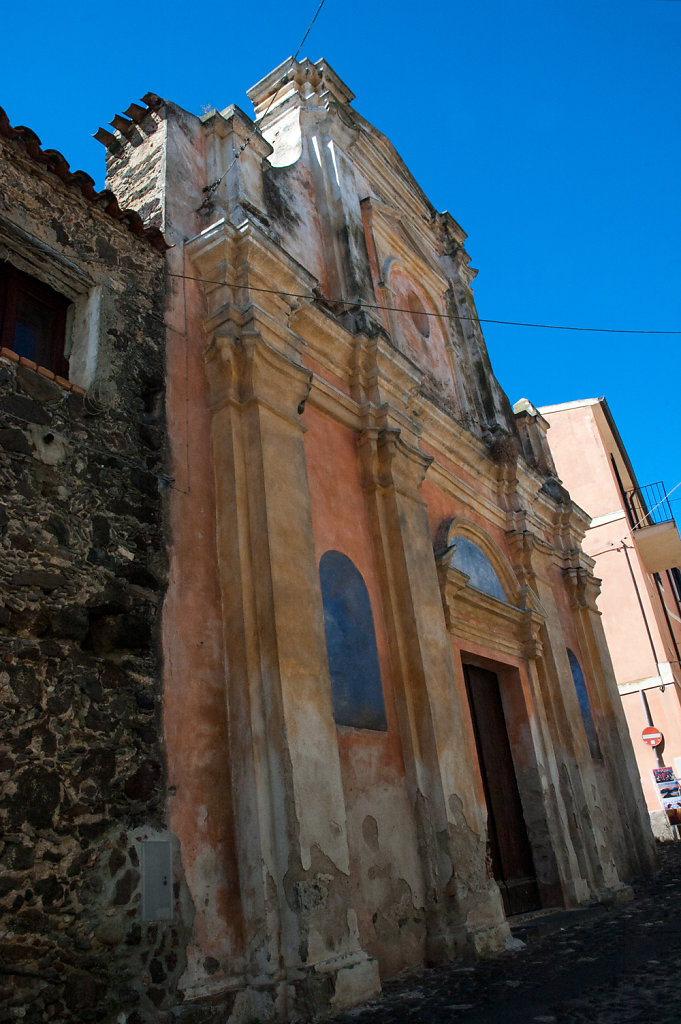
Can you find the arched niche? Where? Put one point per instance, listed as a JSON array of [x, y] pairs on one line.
[[584, 704], [481, 598], [356, 687], [417, 324], [464, 546], [467, 557]]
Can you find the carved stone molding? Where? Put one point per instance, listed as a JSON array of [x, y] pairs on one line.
[[390, 461], [523, 544], [385, 377], [476, 617], [247, 369], [583, 588], [529, 548], [532, 645], [452, 581], [236, 267], [503, 448]]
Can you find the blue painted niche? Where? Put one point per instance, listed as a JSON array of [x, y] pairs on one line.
[[351, 644], [469, 558], [584, 705]]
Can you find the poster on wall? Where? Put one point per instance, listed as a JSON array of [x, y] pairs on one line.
[[669, 793]]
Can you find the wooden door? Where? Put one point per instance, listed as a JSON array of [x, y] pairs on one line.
[[511, 852]]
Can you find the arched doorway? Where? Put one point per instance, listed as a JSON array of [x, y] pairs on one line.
[[482, 600]]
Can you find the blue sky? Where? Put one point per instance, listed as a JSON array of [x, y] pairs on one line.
[[549, 130]]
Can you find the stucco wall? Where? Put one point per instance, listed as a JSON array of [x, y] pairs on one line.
[[386, 877]]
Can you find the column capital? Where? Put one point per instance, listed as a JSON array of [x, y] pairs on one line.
[[391, 462], [531, 551], [583, 588], [532, 645], [245, 368]]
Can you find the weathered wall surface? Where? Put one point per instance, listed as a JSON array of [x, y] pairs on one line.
[[584, 462], [318, 853], [386, 877], [83, 571], [159, 165]]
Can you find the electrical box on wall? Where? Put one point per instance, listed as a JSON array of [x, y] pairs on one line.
[[157, 880]]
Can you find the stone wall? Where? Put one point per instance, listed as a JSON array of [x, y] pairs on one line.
[[82, 577]]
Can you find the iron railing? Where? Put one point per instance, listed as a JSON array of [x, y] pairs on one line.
[[648, 506]]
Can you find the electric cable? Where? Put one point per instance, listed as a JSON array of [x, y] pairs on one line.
[[356, 304], [210, 190], [313, 297], [619, 545]]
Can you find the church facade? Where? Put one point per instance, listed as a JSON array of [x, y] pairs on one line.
[[389, 720]]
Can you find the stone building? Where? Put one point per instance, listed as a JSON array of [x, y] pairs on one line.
[[634, 541], [83, 565], [375, 746]]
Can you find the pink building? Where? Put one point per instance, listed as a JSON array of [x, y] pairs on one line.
[[637, 550]]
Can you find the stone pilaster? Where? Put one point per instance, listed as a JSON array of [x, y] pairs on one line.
[[636, 851], [463, 902], [566, 744], [291, 826]]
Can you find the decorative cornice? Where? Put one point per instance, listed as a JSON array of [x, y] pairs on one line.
[[233, 121], [297, 83], [389, 461], [245, 369], [476, 617]]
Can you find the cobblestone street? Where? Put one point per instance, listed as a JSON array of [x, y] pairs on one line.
[[613, 966]]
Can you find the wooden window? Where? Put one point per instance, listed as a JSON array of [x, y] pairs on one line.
[[32, 319]]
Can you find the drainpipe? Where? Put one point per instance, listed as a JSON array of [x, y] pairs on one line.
[[640, 603], [644, 699], [658, 584]]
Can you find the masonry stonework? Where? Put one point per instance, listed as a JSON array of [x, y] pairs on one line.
[[84, 570]]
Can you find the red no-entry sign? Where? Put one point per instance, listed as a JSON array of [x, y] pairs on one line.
[[652, 736]]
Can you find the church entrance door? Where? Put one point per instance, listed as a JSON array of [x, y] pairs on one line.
[[511, 852]]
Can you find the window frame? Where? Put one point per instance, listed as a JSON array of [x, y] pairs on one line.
[[15, 283]]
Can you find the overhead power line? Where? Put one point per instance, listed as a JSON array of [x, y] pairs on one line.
[[209, 190], [355, 304], [309, 29]]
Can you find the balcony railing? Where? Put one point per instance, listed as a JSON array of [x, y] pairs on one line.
[[648, 506], [653, 528]]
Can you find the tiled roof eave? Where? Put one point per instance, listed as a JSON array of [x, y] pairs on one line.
[[52, 160]]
